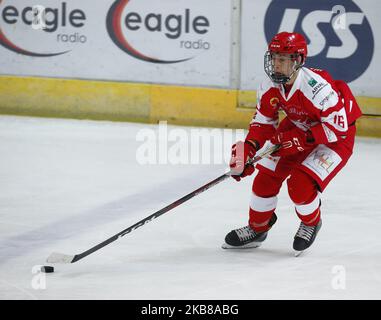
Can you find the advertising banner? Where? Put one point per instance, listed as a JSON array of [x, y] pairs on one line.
[[178, 42], [343, 38]]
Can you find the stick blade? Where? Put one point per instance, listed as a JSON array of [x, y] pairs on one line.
[[56, 257]]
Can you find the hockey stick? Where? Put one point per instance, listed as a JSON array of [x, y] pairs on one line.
[[56, 257]]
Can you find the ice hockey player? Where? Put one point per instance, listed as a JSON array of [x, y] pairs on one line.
[[316, 137]]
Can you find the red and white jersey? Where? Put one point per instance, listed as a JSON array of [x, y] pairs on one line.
[[315, 102]]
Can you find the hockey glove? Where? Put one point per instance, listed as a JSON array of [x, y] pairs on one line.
[[241, 153], [292, 142]]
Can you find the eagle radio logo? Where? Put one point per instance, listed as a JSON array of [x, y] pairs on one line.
[[32, 28], [143, 34], [338, 33]]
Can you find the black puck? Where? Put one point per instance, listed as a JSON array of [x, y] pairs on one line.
[[47, 269]]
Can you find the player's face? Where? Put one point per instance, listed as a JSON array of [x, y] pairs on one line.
[[283, 63]]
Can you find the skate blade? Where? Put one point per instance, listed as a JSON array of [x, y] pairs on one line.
[[246, 246], [298, 253]]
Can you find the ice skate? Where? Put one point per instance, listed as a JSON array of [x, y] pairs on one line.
[[304, 237], [246, 237]]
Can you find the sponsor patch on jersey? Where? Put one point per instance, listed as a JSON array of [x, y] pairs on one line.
[[322, 161], [312, 82], [317, 89], [327, 98]]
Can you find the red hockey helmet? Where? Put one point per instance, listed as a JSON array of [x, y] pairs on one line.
[[290, 43]]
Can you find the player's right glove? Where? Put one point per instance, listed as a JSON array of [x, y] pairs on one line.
[[241, 153], [292, 142]]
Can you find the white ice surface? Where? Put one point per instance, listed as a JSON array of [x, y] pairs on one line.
[[66, 185]]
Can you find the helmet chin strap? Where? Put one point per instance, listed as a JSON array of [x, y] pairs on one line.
[[279, 78], [283, 79]]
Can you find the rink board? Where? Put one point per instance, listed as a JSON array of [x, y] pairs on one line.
[[121, 102], [100, 100]]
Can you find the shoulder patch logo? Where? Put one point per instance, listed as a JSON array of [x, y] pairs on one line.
[[274, 101]]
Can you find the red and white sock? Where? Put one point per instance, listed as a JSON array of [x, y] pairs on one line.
[[261, 210], [309, 213]]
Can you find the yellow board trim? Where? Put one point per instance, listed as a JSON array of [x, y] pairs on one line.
[[119, 101], [197, 106], [74, 98]]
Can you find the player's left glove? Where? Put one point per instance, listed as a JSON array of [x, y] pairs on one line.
[[292, 141], [241, 153]]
